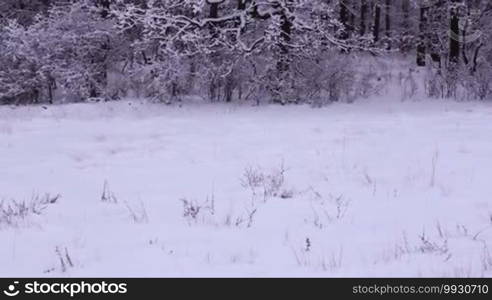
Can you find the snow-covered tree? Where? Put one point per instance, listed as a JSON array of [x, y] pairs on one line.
[[230, 50], [71, 47]]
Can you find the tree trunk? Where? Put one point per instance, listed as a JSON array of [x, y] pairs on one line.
[[344, 19], [351, 19], [363, 16], [454, 44], [421, 47], [214, 86], [214, 10], [406, 26], [286, 30], [388, 23], [377, 21]]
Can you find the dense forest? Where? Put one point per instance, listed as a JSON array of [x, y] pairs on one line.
[[277, 51]]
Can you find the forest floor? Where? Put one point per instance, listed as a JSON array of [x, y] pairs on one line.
[[363, 189]]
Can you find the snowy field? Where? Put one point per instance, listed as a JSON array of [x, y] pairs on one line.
[[396, 189]]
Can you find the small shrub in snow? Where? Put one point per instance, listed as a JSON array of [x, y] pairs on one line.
[[265, 184], [231, 220], [274, 181], [13, 212], [327, 210], [246, 219], [252, 179], [308, 257], [194, 211], [190, 209], [429, 246]]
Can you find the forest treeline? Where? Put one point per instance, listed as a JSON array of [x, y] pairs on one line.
[[280, 51]]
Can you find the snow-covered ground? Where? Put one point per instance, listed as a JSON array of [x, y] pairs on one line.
[[367, 189]]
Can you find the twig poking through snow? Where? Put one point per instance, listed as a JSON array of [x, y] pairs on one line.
[[435, 158], [64, 258], [107, 195]]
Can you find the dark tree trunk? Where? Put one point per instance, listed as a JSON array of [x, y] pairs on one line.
[[454, 44], [229, 88], [377, 22], [214, 87], [344, 19], [286, 30], [475, 58], [463, 35], [405, 7], [214, 10], [283, 63], [363, 16], [50, 92], [388, 23], [213, 14], [421, 47], [454, 52], [100, 78], [405, 25], [351, 23]]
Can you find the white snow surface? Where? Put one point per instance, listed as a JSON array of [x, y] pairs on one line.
[[372, 189]]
